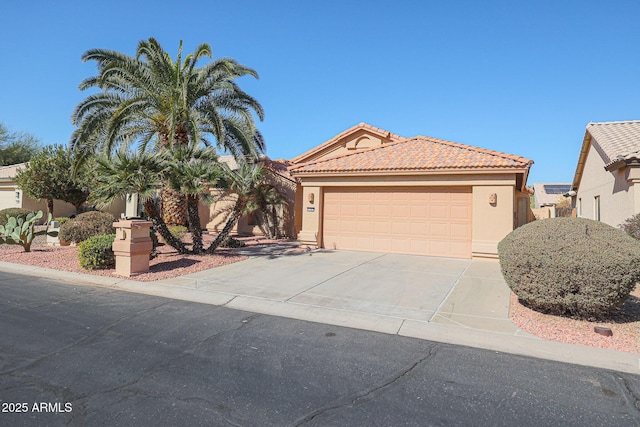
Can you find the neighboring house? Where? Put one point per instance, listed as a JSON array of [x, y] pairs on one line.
[[546, 196], [11, 196], [369, 189], [214, 217], [607, 178]]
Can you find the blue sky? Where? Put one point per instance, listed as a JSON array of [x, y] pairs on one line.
[[514, 76]]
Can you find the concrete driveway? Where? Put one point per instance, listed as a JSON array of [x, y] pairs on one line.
[[402, 286]]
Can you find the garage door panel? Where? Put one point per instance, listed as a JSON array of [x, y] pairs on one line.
[[381, 210], [420, 211], [460, 212], [400, 211], [413, 220], [438, 212]]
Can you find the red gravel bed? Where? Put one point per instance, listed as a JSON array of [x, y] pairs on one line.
[[166, 265], [624, 323]]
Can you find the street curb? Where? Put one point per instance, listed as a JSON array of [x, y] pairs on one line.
[[185, 289]]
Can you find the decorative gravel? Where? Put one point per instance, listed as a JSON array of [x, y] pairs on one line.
[[166, 265], [624, 323]]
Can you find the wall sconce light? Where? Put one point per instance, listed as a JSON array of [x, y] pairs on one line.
[[493, 199], [311, 197]]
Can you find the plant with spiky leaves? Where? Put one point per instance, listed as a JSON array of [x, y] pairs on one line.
[[154, 102]]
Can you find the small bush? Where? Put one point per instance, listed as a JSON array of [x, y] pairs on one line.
[[17, 212], [232, 243], [62, 219], [178, 231], [96, 253], [87, 225], [631, 226], [571, 266]]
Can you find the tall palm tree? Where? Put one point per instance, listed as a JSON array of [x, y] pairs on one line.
[[153, 102]]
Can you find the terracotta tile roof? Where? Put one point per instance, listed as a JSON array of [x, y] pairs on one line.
[[618, 140], [360, 126], [415, 154]]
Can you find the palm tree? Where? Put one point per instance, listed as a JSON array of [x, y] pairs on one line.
[[127, 172], [192, 170], [153, 102], [241, 183]]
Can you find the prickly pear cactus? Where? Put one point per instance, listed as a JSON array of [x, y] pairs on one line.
[[21, 231]]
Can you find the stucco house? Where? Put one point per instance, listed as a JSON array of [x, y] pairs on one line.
[[213, 217], [546, 196], [372, 190], [606, 184], [11, 196]]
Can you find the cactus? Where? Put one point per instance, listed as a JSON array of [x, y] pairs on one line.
[[21, 231]]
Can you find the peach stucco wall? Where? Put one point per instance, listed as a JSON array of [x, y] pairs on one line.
[[617, 196], [490, 223]]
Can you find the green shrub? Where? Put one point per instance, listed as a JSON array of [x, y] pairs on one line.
[[178, 231], [96, 253], [571, 266], [631, 226], [17, 212], [62, 219], [232, 243], [87, 225]]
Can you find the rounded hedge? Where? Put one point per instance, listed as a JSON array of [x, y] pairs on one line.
[[572, 266], [17, 212], [87, 225], [96, 252]]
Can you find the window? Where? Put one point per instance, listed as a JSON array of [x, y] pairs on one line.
[[580, 207], [596, 208]]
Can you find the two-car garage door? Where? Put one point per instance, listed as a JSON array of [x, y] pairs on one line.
[[432, 221]]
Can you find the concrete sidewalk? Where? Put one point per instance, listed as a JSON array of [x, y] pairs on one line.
[[456, 301]]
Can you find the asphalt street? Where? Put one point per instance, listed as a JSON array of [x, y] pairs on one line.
[[85, 355]]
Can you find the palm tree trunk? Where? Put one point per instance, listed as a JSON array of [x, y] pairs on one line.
[[275, 222], [194, 223], [152, 212], [224, 233], [174, 207]]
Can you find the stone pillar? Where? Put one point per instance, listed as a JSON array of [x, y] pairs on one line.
[[132, 247]]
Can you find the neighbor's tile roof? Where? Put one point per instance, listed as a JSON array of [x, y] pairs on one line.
[[618, 140], [415, 154]]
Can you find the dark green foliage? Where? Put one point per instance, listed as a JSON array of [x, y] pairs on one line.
[[87, 225], [48, 176], [178, 231], [233, 243], [17, 212], [96, 252], [16, 147], [572, 266], [631, 226]]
